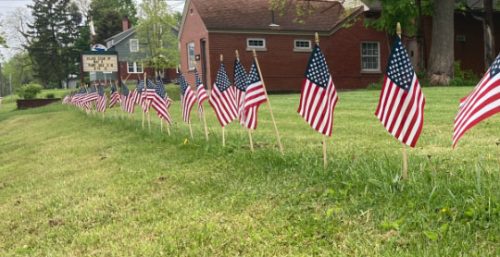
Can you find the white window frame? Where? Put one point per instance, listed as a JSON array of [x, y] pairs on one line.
[[365, 70], [301, 48], [135, 68], [136, 49], [191, 56], [256, 48]]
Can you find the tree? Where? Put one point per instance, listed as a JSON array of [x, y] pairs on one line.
[[156, 29], [19, 68], [50, 39], [108, 14], [489, 32], [442, 54]]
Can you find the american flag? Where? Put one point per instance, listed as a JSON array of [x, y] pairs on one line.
[[222, 98], [160, 102], [91, 95], [201, 92], [128, 99], [139, 88], [483, 102], [240, 84], [401, 104], [101, 100], [77, 99], [254, 97], [115, 96], [319, 96], [188, 98]]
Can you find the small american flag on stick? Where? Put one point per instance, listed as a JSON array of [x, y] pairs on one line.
[[319, 96], [114, 97], [240, 84], [188, 98], [255, 96], [481, 104], [222, 98], [401, 103], [201, 92], [101, 100]]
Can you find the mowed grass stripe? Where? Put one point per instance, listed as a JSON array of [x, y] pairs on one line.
[[72, 184]]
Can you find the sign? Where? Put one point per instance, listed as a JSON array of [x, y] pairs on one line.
[[100, 62]]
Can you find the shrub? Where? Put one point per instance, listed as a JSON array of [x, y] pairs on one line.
[[29, 91], [51, 96], [463, 77]]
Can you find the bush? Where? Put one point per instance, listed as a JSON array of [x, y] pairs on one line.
[[29, 91], [463, 77], [51, 96]]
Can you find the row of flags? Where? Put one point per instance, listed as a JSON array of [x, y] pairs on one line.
[[400, 108]]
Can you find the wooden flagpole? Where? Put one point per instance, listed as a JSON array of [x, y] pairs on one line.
[[325, 157], [143, 113], [268, 103], [404, 173], [249, 130], [190, 129], [223, 131]]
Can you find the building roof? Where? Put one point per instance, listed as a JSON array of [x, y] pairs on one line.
[[116, 39], [255, 15]]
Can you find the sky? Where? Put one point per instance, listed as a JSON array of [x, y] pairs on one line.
[[7, 7]]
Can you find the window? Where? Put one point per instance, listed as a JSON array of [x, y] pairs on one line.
[[256, 43], [370, 56], [135, 67], [191, 56], [134, 45], [302, 45]]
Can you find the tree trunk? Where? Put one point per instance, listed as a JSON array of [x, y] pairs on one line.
[[420, 37], [442, 48], [489, 39]]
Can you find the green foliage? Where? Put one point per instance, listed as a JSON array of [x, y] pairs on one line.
[[156, 29], [29, 91], [51, 39], [108, 14], [20, 69], [50, 96], [394, 11], [463, 77]]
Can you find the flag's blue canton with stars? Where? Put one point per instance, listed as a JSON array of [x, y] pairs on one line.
[[253, 76], [100, 90], [198, 79], [183, 83], [124, 90], [495, 67], [150, 85], [317, 70], [113, 88], [222, 82], [239, 76], [160, 89], [140, 86], [400, 70]]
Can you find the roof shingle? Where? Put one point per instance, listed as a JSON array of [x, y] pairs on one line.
[[256, 15]]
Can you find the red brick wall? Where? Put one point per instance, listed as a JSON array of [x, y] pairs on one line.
[[283, 69], [194, 30]]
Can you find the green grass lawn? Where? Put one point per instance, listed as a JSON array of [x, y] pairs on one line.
[[73, 184]]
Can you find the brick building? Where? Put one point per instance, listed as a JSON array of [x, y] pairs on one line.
[[356, 55]]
